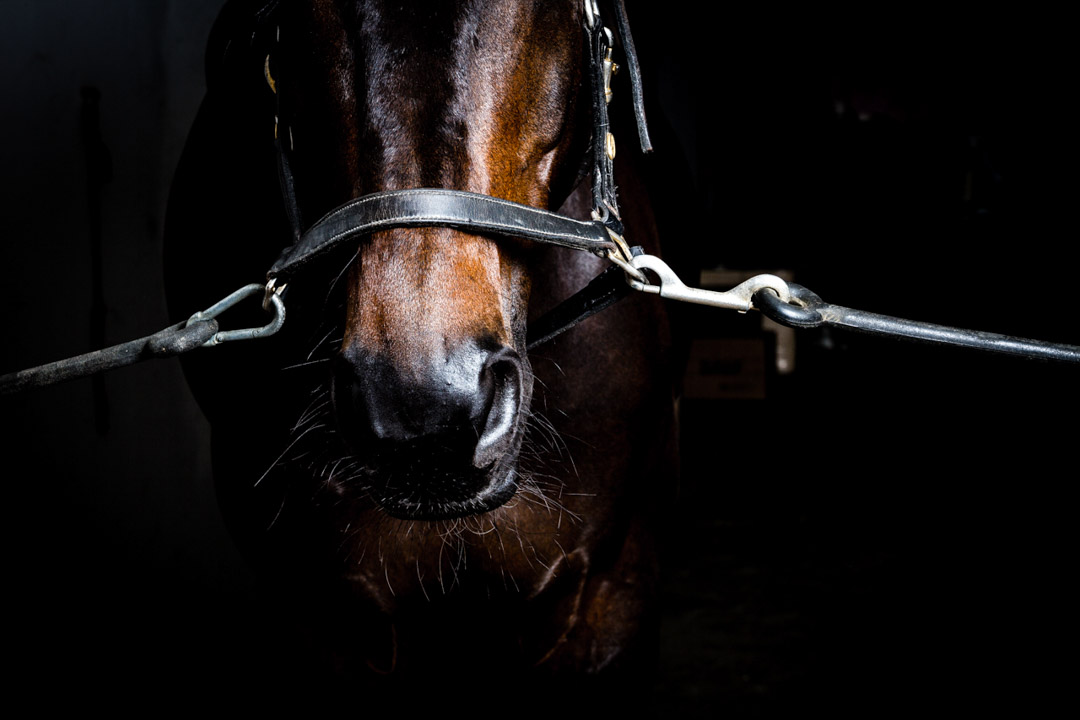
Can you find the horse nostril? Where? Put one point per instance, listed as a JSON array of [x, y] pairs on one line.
[[466, 407], [501, 383]]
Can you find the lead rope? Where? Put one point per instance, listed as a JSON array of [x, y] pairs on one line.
[[200, 330], [806, 310], [796, 307]]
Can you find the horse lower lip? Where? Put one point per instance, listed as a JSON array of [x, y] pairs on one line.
[[419, 503]]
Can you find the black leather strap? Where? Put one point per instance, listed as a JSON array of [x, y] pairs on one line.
[[603, 291], [428, 207], [605, 202], [630, 53], [288, 191]]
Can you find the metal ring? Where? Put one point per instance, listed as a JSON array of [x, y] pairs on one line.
[[224, 304], [804, 315], [629, 269]]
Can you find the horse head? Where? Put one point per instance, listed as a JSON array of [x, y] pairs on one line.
[[432, 383], [447, 483]]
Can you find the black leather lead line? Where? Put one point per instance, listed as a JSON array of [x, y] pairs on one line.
[[172, 341], [812, 311]]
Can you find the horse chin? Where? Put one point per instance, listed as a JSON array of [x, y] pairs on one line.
[[445, 496]]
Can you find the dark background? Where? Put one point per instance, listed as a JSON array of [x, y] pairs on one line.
[[886, 530]]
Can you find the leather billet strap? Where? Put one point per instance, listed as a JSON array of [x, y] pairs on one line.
[[600, 44], [605, 203], [636, 91], [429, 207]]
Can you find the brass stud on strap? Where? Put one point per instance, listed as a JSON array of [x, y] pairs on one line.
[[268, 76], [610, 146], [609, 70]]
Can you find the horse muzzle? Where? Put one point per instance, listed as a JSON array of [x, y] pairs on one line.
[[439, 438]]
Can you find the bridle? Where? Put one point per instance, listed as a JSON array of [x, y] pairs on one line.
[[422, 207], [785, 303], [472, 212]]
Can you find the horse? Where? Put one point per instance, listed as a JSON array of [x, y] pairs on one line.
[[430, 502]]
